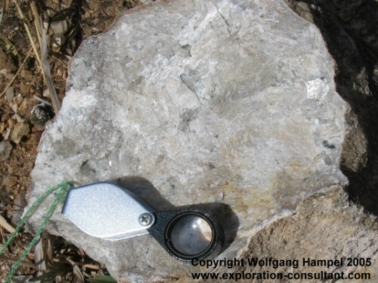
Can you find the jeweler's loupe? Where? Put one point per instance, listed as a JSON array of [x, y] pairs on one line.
[[110, 212]]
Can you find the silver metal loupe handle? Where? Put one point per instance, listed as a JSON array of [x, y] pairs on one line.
[[107, 211]]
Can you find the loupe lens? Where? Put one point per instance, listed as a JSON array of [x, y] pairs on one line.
[[187, 234], [190, 235]]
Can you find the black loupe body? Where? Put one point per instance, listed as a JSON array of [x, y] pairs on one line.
[[187, 234]]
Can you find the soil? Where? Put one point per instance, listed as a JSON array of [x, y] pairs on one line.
[[25, 110]]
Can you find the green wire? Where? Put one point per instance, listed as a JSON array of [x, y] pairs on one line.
[[61, 195]]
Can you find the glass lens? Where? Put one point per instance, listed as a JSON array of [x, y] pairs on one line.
[[191, 235]]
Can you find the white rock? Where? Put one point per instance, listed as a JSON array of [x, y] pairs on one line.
[[317, 89], [9, 94], [20, 130], [5, 150], [230, 101]]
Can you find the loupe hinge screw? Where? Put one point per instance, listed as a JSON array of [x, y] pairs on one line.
[[145, 219]]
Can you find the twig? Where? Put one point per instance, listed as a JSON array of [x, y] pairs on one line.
[[6, 225], [42, 100], [14, 77], [44, 65], [76, 270], [39, 255], [37, 21], [46, 71], [90, 266], [24, 263], [28, 32]]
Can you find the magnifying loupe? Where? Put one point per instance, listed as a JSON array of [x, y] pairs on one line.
[[110, 212]]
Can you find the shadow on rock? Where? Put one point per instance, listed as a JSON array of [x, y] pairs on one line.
[[219, 212], [349, 29]]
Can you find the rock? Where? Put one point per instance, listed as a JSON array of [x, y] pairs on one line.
[[344, 233], [40, 115], [20, 130], [222, 101], [147, 1], [9, 94], [5, 150], [354, 47]]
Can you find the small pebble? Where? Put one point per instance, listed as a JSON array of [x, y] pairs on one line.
[[24, 88], [19, 202], [6, 134], [59, 27], [20, 130], [5, 150], [19, 98], [11, 123], [9, 94], [26, 74], [23, 106], [10, 181], [46, 93], [5, 117], [13, 106], [18, 118], [40, 115]]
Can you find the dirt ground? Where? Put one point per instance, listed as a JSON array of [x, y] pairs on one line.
[[25, 107]]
